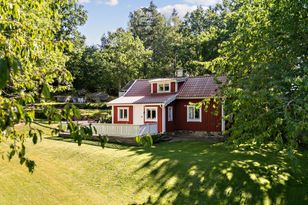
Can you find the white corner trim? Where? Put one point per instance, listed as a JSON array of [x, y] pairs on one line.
[[112, 111], [163, 119]]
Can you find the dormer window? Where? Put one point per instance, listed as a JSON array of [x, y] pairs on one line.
[[163, 87]]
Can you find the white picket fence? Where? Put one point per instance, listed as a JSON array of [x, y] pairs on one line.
[[123, 130]]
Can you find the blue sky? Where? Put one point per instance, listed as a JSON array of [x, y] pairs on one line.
[[108, 15]]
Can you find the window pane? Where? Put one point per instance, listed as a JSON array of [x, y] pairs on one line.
[[161, 87], [121, 113], [148, 114], [125, 114], [191, 113], [153, 114], [167, 87], [197, 113]]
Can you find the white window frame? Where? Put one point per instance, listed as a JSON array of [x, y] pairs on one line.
[[170, 113], [123, 119], [194, 120], [164, 88], [146, 116]]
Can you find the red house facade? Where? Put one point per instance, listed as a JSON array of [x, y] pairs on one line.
[[190, 104]]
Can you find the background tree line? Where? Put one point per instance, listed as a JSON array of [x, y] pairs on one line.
[[151, 46]]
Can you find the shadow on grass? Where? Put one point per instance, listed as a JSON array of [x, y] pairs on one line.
[[200, 173], [112, 145]]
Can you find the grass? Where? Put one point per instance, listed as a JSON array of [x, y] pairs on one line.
[[170, 173], [93, 112]]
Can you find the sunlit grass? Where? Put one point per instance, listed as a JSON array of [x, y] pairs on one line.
[[169, 173]]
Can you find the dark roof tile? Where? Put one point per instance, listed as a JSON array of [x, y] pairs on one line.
[[200, 87]]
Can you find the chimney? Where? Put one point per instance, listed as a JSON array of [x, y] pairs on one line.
[[180, 72]]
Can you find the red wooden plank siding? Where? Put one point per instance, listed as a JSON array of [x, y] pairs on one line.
[[154, 89], [172, 87], [130, 115], [210, 122], [159, 117]]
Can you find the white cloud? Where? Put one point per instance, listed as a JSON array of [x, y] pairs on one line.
[[108, 2], [112, 2], [84, 1], [182, 9], [202, 2]]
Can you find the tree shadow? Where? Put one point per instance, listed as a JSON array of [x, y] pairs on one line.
[[112, 145], [201, 173]]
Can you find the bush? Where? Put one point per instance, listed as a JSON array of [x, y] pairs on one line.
[[157, 138]]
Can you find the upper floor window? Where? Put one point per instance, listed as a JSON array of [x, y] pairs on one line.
[[193, 114], [123, 114], [163, 87]]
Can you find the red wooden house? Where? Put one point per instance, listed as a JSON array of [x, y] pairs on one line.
[[168, 104]]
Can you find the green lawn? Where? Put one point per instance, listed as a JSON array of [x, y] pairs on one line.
[[169, 173]]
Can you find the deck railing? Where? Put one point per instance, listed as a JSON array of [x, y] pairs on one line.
[[123, 130]]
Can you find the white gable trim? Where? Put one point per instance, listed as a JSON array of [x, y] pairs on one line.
[[130, 87]]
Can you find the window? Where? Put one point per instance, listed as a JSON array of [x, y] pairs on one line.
[[163, 87], [170, 113], [123, 114], [151, 114], [193, 114]]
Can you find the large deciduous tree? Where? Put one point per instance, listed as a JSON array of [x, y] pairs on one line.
[[203, 31], [265, 61], [33, 39], [125, 56]]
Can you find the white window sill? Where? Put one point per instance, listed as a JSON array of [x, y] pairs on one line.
[[151, 120], [194, 120]]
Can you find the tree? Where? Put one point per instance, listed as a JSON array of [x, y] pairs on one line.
[[197, 21], [32, 63], [72, 16], [84, 69], [204, 30], [124, 56], [159, 35], [146, 24], [265, 61]]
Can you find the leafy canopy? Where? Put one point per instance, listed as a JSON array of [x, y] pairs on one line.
[[34, 35], [265, 61]]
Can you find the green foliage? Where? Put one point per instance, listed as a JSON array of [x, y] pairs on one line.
[[124, 57], [4, 73], [159, 35], [34, 37], [145, 141], [265, 60], [103, 140], [204, 30]]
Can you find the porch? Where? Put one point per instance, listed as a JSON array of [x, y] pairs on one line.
[[121, 130], [125, 130]]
